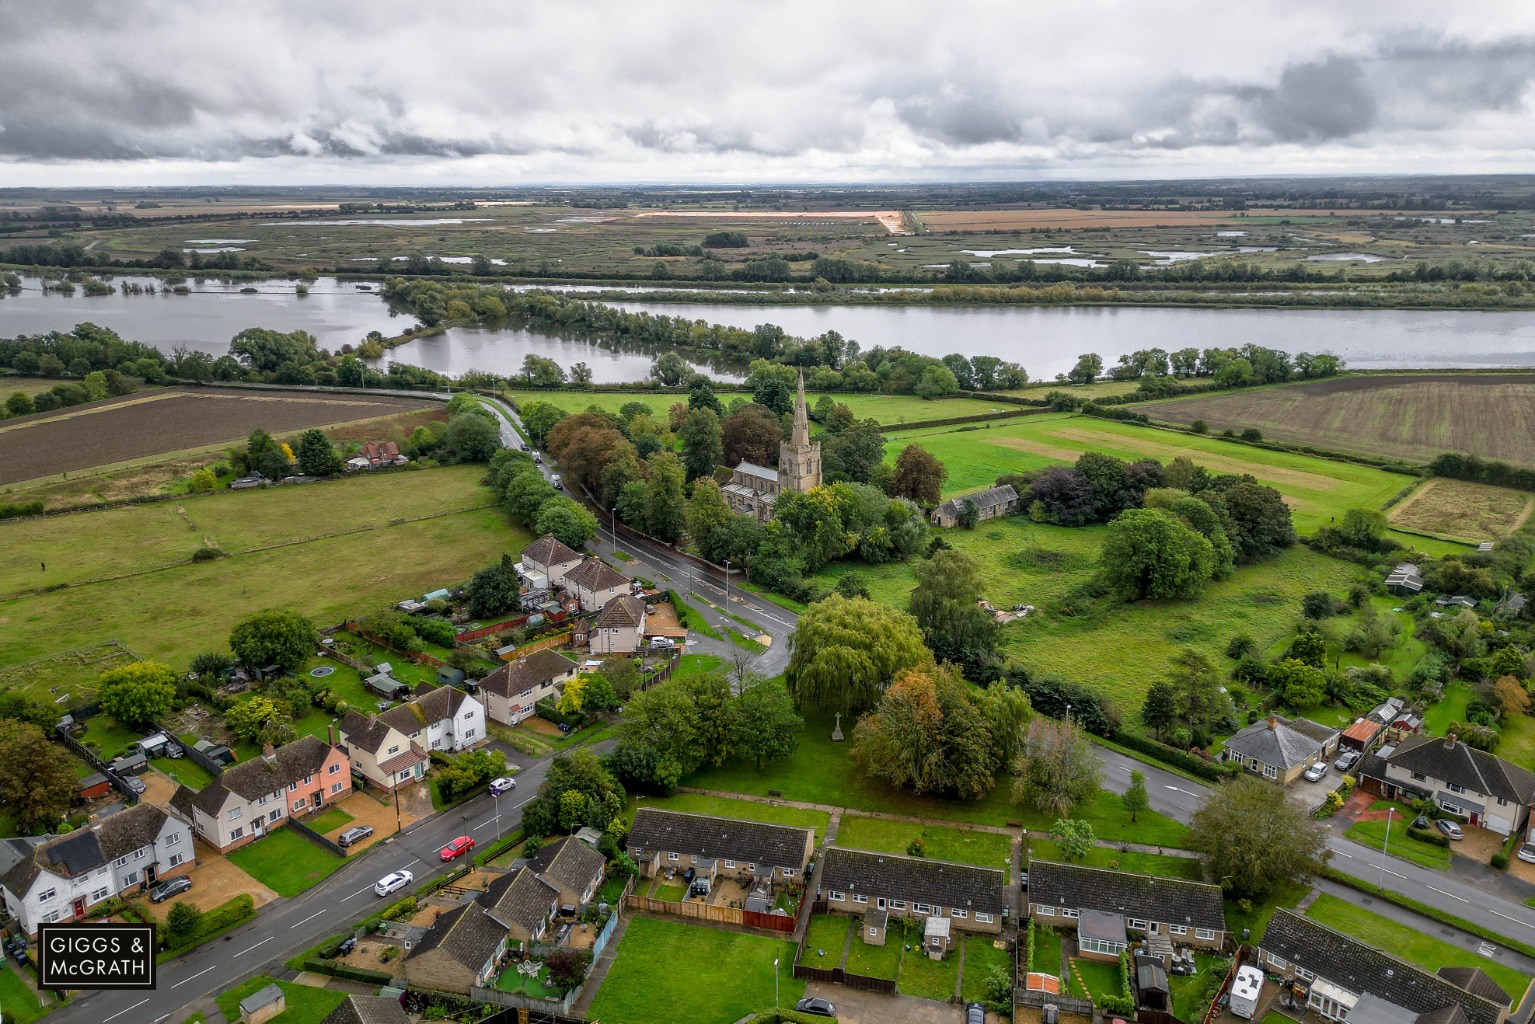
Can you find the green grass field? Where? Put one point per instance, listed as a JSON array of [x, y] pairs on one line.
[[286, 863], [876, 961], [305, 1004], [18, 1004], [981, 956], [1140, 863], [887, 409], [929, 979], [1409, 944], [745, 810], [178, 608], [961, 845], [1373, 834], [825, 938], [184, 771], [1047, 951], [326, 820], [1091, 979], [666, 971]]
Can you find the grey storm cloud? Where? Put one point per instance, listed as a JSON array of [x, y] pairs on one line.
[[596, 89]]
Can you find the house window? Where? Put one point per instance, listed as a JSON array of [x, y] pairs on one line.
[[53, 916], [1453, 788], [173, 839], [139, 854], [1208, 934], [1303, 974], [1104, 946], [405, 774], [1178, 929], [1042, 909], [527, 694], [1502, 802], [1071, 912], [1419, 777], [468, 714], [46, 895], [751, 867], [897, 904], [982, 918], [99, 895], [859, 897], [1136, 923], [468, 734], [1270, 772], [788, 872], [292, 786], [922, 908], [309, 778], [957, 912], [131, 878], [333, 769], [298, 805], [176, 858], [234, 814], [730, 863], [119, 862], [275, 815], [673, 856], [835, 895], [395, 749], [335, 787], [1279, 963], [260, 801], [693, 858], [437, 744], [236, 834]]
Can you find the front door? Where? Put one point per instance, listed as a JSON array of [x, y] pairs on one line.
[[319, 798], [880, 903], [1155, 926], [151, 876], [79, 906]]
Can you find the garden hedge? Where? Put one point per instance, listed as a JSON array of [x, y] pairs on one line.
[[1210, 771], [336, 970]]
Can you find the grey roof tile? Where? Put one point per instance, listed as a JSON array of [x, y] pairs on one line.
[[918, 879], [751, 842], [1149, 897]]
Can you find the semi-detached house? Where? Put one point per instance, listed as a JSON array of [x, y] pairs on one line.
[[249, 799], [512, 692], [1481, 787], [594, 583], [61, 877], [391, 749]]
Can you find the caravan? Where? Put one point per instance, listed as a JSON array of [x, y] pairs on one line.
[[1245, 991]]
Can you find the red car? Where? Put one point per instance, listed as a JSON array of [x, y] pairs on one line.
[[457, 848]]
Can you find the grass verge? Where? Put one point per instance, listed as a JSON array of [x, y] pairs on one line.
[[285, 862]]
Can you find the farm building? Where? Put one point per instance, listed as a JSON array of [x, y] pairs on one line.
[[989, 504], [1404, 580]]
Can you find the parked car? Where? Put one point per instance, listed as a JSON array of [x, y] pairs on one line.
[[501, 785], [1449, 828], [1316, 772], [527, 448], [393, 882], [165, 890], [555, 481], [662, 643], [1421, 822], [1346, 760], [538, 459], [355, 834], [137, 785], [457, 848], [975, 1013], [816, 1007]]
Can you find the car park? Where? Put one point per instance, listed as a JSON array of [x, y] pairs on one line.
[[1346, 760], [355, 834], [1316, 772], [457, 848], [165, 890], [393, 882], [816, 1007], [501, 785], [1450, 828]]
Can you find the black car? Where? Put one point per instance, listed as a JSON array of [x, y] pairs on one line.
[[816, 1007], [165, 890]]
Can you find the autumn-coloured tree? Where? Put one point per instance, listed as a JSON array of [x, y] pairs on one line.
[[927, 735], [585, 450], [751, 434], [1511, 697]]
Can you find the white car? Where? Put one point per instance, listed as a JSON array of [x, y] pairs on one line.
[[662, 643], [501, 785], [393, 882]]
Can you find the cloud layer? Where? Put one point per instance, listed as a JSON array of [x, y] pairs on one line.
[[386, 91]]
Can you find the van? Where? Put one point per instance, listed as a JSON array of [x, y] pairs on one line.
[[555, 480]]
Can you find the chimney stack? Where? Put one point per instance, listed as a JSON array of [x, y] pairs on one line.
[[1273, 721], [268, 752], [330, 732], [1449, 742]]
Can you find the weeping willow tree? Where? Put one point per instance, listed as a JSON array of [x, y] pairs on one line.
[[845, 651]]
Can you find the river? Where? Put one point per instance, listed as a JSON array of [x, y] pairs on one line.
[[1046, 340]]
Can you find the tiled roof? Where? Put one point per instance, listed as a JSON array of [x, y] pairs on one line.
[[1475, 770], [258, 776], [752, 842], [1277, 741], [623, 610], [363, 732], [594, 574], [918, 879], [520, 898], [525, 673], [368, 1010], [442, 703], [1151, 898], [989, 498], [1477, 982], [547, 551], [86, 849], [407, 758], [1352, 965], [568, 863], [408, 717], [467, 934], [752, 469]]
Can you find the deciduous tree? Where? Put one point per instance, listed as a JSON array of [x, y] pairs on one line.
[[36, 783], [569, 521], [751, 434], [953, 625], [845, 651], [494, 589], [665, 508], [918, 476], [1149, 553], [927, 735], [702, 449], [137, 695], [316, 455], [277, 636], [1253, 840], [766, 726], [1136, 799], [1056, 770], [1074, 836]]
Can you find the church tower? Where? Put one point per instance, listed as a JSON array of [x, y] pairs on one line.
[[799, 461]]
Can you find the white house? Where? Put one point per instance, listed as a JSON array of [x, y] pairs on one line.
[[62, 877], [391, 749], [512, 692], [594, 583], [253, 797], [454, 720], [549, 558], [619, 627]]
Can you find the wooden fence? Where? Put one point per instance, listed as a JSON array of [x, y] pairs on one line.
[[471, 635], [90, 757], [835, 975], [705, 912], [1064, 1003]]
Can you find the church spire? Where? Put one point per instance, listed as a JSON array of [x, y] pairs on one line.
[[801, 435]]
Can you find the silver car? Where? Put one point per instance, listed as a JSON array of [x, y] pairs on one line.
[[1316, 772]]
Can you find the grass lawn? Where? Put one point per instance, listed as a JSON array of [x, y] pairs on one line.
[[876, 961], [962, 845], [746, 810], [107, 736], [1189, 1001], [1408, 944], [1140, 863], [827, 934], [1047, 951], [667, 972], [513, 980], [285, 862], [697, 665], [1099, 979], [980, 957], [929, 979], [1373, 834], [886, 409], [327, 820], [177, 608], [184, 770], [1451, 709], [306, 1004], [1256, 920], [18, 1004], [671, 893]]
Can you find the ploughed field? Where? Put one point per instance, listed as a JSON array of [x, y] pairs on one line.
[[1413, 417], [171, 420]]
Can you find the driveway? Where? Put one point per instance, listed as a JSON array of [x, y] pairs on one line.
[[367, 810], [857, 1007], [1309, 795], [215, 880]]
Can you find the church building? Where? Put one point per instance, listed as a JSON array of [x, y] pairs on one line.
[[753, 489]]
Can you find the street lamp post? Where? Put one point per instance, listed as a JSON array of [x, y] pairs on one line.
[[613, 524], [399, 825], [1386, 847], [727, 582], [775, 983], [496, 799]]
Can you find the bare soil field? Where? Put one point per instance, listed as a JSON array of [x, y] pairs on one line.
[[1413, 417], [1067, 217], [173, 420], [891, 219], [1463, 511]]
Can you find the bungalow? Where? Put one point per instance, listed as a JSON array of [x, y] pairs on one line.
[[572, 868], [1104, 906], [620, 626], [1405, 580], [962, 895], [368, 1010], [62, 877], [249, 799], [512, 691], [549, 558], [1481, 787], [989, 504], [677, 840], [1341, 978], [1280, 749], [459, 951], [594, 583], [523, 903]]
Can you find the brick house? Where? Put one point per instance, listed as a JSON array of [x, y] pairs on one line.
[[61, 877], [1281, 749], [991, 503], [619, 627], [255, 796], [550, 559], [970, 898], [574, 869], [661, 840], [458, 952], [1339, 978], [1481, 787], [594, 583], [1104, 907], [523, 903], [512, 691]]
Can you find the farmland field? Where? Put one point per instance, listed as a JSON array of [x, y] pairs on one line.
[[330, 549], [1070, 217], [886, 409], [169, 420], [1467, 511], [1406, 416]]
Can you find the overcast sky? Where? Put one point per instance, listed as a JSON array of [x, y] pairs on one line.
[[383, 92]]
